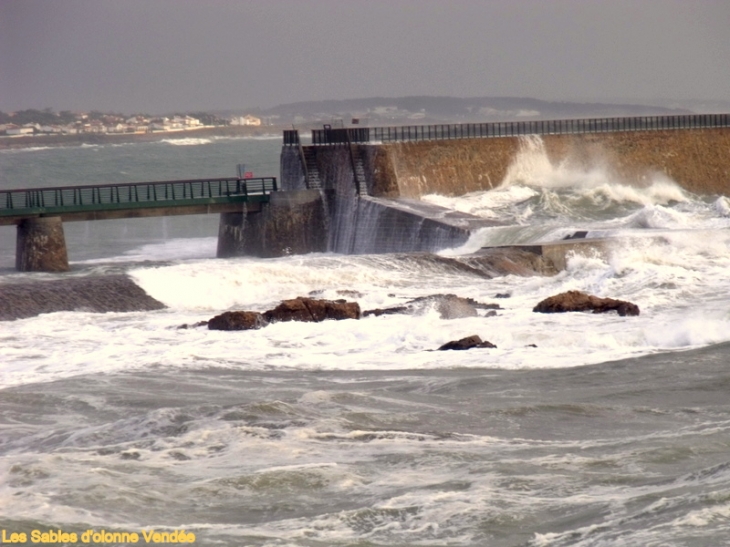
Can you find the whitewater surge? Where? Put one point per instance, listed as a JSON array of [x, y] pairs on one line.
[[357, 432], [187, 141], [679, 283]]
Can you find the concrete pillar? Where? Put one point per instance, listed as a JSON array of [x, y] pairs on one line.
[[291, 223], [41, 246], [291, 169], [231, 234]]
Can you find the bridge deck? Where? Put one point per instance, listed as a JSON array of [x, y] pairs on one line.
[[160, 198]]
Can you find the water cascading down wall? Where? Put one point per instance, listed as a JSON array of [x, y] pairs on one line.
[[391, 219], [369, 216]]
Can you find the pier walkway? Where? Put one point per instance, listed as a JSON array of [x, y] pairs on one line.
[[39, 213], [140, 199]]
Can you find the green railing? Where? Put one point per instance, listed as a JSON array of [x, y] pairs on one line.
[[73, 199]]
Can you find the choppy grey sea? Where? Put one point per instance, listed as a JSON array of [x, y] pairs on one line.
[[577, 430]]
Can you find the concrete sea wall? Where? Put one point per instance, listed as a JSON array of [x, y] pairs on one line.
[[291, 223], [365, 224], [391, 219], [697, 159]]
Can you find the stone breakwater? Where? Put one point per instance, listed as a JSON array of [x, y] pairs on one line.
[[114, 293], [697, 159]]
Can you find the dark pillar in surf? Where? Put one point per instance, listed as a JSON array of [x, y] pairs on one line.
[[291, 223], [41, 246]]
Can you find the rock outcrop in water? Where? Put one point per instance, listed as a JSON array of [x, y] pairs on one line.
[[313, 309], [448, 306], [295, 309], [237, 320], [114, 293], [580, 301], [473, 341]]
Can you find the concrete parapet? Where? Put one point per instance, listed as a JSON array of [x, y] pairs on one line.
[[41, 246], [291, 223], [292, 175]]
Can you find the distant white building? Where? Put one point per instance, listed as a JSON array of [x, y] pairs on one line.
[[15, 130], [50, 129], [245, 120], [116, 128], [384, 110], [191, 122]]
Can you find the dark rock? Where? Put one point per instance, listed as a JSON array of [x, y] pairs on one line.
[[237, 320], [580, 301], [311, 309], [449, 306], [469, 342], [377, 312], [194, 325], [296, 309]]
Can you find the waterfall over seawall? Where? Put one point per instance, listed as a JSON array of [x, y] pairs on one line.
[[402, 225], [359, 224]]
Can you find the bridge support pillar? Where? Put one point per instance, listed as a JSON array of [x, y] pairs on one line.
[[291, 223], [41, 246]]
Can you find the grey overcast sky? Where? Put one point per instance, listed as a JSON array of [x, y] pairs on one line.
[[165, 55]]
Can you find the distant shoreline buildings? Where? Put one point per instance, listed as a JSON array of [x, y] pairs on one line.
[[111, 124]]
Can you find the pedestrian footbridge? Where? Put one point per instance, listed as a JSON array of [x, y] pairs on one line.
[[40, 212]]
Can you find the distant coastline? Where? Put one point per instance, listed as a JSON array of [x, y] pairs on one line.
[[29, 141]]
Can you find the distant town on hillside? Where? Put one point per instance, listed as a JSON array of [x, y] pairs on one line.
[[368, 111], [35, 122]]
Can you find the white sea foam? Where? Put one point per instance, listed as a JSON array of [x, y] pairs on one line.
[[351, 459], [678, 284], [189, 141], [25, 149], [268, 137], [172, 249]]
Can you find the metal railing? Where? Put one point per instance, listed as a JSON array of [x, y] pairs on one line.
[[291, 137], [133, 195], [411, 133]]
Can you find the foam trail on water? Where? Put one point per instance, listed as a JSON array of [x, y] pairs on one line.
[[189, 141]]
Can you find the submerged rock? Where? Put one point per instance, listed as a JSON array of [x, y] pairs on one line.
[[194, 325], [448, 306], [473, 341], [580, 301], [347, 293], [237, 320], [99, 294]]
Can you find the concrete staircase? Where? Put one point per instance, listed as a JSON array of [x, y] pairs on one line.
[[314, 181], [361, 185]]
